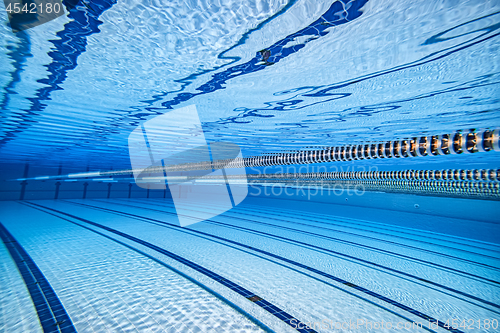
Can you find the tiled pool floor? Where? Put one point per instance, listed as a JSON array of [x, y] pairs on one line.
[[125, 265]]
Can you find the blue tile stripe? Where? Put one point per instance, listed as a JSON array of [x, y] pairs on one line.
[[310, 245], [272, 309], [329, 276], [51, 313], [311, 269]]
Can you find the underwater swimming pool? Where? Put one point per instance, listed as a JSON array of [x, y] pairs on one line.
[[225, 166]]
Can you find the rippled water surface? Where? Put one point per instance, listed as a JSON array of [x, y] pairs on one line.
[[104, 253], [267, 75]]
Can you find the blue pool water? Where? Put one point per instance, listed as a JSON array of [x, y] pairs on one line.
[[364, 189]]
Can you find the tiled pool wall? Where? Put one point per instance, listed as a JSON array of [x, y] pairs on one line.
[[50, 189]]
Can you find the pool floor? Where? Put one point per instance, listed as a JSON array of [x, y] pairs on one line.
[[125, 265]]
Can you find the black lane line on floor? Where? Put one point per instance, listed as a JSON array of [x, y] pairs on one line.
[[334, 278], [377, 239], [356, 222], [297, 242], [435, 236], [308, 218], [201, 285], [224, 241], [391, 210], [51, 313], [456, 239], [269, 307], [371, 248], [248, 207]]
